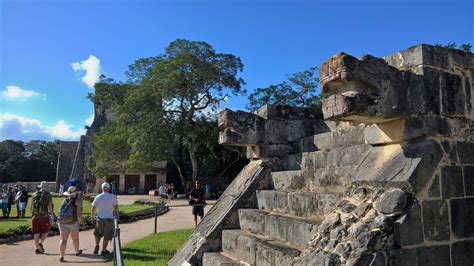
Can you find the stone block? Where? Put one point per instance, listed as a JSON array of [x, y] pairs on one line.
[[468, 172], [275, 253], [385, 133], [311, 205], [465, 152], [391, 202], [217, 259], [294, 230], [318, 258], [452, 96], [331, 179], [410, 166], [347, 156], [452, 181], [289, 180], [436, 220], [408, 229], [240, 245], [433, 255], [462, 217], [402, 257], [434, 190], [273, 200], [462, 253], [450, 149]]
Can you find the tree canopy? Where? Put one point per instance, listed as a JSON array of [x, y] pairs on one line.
[[169, 106], [28, 161], [299, 90]]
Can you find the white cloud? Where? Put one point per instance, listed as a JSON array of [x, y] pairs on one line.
[[90, 119], [92, 69], [23, 128], [17, 93]]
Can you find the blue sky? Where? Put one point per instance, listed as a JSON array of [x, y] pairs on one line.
[[43, 93]]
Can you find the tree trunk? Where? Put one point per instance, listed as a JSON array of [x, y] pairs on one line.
[[182, 176], [194, 161]]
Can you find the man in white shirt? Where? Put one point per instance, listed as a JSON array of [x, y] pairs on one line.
[[108, 206]]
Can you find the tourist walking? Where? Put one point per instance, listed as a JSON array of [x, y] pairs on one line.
[[169, 192], [5, 200], [107, 205], [70, 220], [198, 201], [11, 200], [23, 200], [16, 200], [114, 188], [40, 208]]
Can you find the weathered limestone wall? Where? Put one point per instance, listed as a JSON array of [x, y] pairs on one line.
[[385, 179]]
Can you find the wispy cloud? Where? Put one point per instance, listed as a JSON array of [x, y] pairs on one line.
[[90, 69], [24, 128], [17, 93]]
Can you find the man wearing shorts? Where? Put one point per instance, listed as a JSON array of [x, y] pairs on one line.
[[107, 205], [40, 208], [197, 195]]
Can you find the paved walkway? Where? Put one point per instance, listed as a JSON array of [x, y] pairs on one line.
[[22, 253]]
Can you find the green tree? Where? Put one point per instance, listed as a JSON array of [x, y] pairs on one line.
[[300, 90], [31, 161], [169, 98]]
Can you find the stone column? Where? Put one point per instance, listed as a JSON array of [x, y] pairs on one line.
[[121, 183], [141, 185]]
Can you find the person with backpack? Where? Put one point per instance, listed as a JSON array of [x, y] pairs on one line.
[[107, 205], [40, 208], [70, 220]]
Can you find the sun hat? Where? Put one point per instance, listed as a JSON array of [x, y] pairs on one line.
[[105, 185], [70, 191]]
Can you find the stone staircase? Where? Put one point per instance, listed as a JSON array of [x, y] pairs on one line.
[[308, 188]]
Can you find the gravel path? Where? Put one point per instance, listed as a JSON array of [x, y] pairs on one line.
[[22, 253]]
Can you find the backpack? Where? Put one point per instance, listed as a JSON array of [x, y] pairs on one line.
[[40, 203], [66, 211]]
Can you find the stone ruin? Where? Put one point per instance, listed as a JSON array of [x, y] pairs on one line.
[[384, 175]]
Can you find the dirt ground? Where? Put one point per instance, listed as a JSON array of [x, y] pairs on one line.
[[23, 252]]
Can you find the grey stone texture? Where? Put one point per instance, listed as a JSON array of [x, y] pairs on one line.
[[452, 181], [391, 201], [436, 220], [408, 229], [462, 253], [462, 218], [383, 176]]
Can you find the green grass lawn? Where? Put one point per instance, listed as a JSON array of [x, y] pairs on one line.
[[155, 249], [6, 224]]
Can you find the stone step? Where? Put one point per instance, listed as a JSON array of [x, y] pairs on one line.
[[256, 249], [312, 161], [350, 136], [309, 205], [323, 180], [217, 258], [293, 230]]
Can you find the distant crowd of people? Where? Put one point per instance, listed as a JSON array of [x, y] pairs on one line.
[[17, 195]]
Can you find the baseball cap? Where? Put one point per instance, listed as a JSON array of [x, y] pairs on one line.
[[105, 185]]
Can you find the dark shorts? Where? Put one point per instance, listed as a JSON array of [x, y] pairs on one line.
[[105, 228], [41, 225], [198, 210]]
